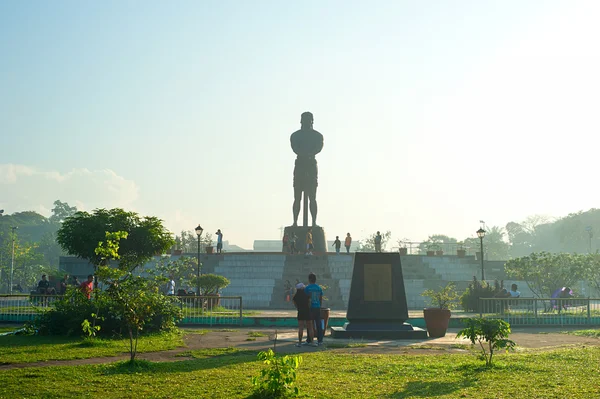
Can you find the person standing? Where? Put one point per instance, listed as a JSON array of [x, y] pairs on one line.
[[378, 242], [302, 303], [348, 242], [43, 286], [309, 242], [171, 286], [286, 243], [315, 293], [337, 244], [219, 241], [64, 283], [87, 286], [293, 249], [514, 292]]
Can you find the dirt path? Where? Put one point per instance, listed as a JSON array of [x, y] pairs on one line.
[[261, 339]]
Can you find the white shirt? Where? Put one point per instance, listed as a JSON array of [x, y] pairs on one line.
[[515, 294], [171, 287]]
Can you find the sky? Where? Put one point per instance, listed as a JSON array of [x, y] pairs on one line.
[[435, 115]]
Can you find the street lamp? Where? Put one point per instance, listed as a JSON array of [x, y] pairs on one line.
[[12, 261], [199, 231], [591, 234], [481, 234]]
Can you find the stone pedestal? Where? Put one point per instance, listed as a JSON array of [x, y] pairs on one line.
[[319, 241], [377, 306]]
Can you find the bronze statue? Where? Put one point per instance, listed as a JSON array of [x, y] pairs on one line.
[[306, 143]]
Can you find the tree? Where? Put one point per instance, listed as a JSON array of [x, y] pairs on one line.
[[436, 242], [210, 284], [545, 272], [61, 212], [80, 234], [368, 244]]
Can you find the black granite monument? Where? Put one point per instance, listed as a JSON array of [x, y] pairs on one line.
[[306, 143], [377, 305]]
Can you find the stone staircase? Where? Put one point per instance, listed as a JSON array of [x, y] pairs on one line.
[[297, 267]]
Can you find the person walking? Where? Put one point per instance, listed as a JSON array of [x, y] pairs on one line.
[[315, 293], [219, 241], [378, 242], [337, 244], [348, 242], [302, 303]]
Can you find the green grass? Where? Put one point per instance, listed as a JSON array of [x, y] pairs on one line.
[[27, 349], [585, 333], [256, 334], [4, 329], [226, 373]]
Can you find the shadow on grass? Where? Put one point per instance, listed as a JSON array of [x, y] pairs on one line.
[[428, 389], [210, 360]]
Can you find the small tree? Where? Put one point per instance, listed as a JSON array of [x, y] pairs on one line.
[[494, 332], [278, 379]]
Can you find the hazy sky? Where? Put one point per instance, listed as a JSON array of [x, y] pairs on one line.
[[436, 114]]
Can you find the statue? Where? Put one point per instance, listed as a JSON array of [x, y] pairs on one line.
[[306, 143]]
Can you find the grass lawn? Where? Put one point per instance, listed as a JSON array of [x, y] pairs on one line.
[[27, 349], [226, 373]]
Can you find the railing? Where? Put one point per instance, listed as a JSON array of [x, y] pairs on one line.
[[542, 311], [204, 310], [211, 310], [448, 248]]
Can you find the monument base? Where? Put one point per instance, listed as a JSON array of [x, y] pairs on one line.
[[318, 234], [374, 330]]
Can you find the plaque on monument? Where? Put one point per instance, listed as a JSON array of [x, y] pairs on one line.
[[377, 306]]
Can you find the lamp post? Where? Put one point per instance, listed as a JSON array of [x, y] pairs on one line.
[[591, 234], [199, 231], [12, 260], [481, 234]]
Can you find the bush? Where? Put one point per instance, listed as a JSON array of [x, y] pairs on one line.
[[210, 284], [73, 308], [469, 300]]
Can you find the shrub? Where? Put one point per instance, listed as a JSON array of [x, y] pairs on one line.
[[469, 300], [494, 332], [73, 308], [210, 284], [277, 380]]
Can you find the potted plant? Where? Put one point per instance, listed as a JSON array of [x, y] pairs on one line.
[[209, 245], [210, 284], [461, 252], [437, 317], [438, 250], [402, 244]]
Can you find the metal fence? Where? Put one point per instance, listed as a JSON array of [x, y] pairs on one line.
[[542, 311], [202, 310]]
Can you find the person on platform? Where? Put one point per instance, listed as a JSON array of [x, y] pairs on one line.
[[315, 293], [309, 242], [293, 239], [514, 292], [219, 241], [378, 242], [302, 303], [348, 242], [337, 244], [64, 283]]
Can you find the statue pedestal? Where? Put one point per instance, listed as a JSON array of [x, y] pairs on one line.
[[319, 241]]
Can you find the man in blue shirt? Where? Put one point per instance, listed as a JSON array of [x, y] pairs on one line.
[[315, 293]]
